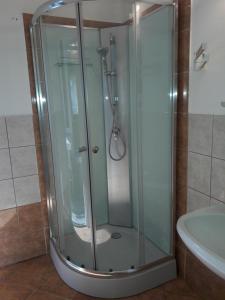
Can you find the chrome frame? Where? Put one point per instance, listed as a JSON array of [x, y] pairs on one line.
[[89, 150], [113, 275], [174, 123], [138, 115], [42, 107], [41, 98]]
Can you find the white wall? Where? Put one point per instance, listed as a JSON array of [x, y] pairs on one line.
[[14, 82], [207, 87]]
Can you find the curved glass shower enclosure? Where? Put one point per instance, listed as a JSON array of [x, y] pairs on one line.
[[105, 83]]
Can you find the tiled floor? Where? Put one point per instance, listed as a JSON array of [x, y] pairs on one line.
[[37, 279]]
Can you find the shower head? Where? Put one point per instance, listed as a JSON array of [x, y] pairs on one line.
[[103, 51], [112, 39]]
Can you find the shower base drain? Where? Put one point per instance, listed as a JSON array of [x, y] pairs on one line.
[[115, 235]]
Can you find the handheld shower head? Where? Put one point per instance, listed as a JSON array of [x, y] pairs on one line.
[[103, 51]]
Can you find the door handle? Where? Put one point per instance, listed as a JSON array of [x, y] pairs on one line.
[[95, 149], [82, 149]]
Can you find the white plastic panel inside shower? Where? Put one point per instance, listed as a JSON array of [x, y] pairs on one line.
[[119, 198]]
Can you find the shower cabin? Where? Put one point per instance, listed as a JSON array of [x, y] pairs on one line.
[[106, 96]]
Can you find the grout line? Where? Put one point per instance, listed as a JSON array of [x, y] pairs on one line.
[[214, 157], [11, 178], [17, 147], [199, 153], [211, 166], [222, 202], [4, 148], [191, 188], [212, 141], [6, 179], [25, 176], [10, 208], [211, 197], [14, 191], [218, 158]]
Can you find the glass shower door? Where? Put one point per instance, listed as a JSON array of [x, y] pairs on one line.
[[68, 126], [154, 108], [105, 37]]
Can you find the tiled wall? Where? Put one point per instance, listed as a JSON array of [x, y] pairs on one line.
[[23, 219], [19, 183], [206, 161]]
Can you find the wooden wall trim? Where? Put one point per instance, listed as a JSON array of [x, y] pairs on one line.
[[37, 135], [184, 11], [72, 22]]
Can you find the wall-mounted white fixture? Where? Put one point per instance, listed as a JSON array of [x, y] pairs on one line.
[[202, 231], [201, 57]]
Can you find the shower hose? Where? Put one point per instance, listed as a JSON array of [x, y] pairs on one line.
[[116, 133]]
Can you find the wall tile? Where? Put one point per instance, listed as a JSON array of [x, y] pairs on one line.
[[218, 179], [8, 251], [204, 282], [20, 130], [21, 246], [30, 244], [27, 190], [200, 133], [196, 200], [30, 216], [5, 165], [7, 199], [219, 137], [199, 172], [24, 161], [8, 222], [3, 134]]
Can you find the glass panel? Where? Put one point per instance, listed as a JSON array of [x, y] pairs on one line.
[[67, 119], [106, 51], [96, 130], [45, 133], [155, 59]]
